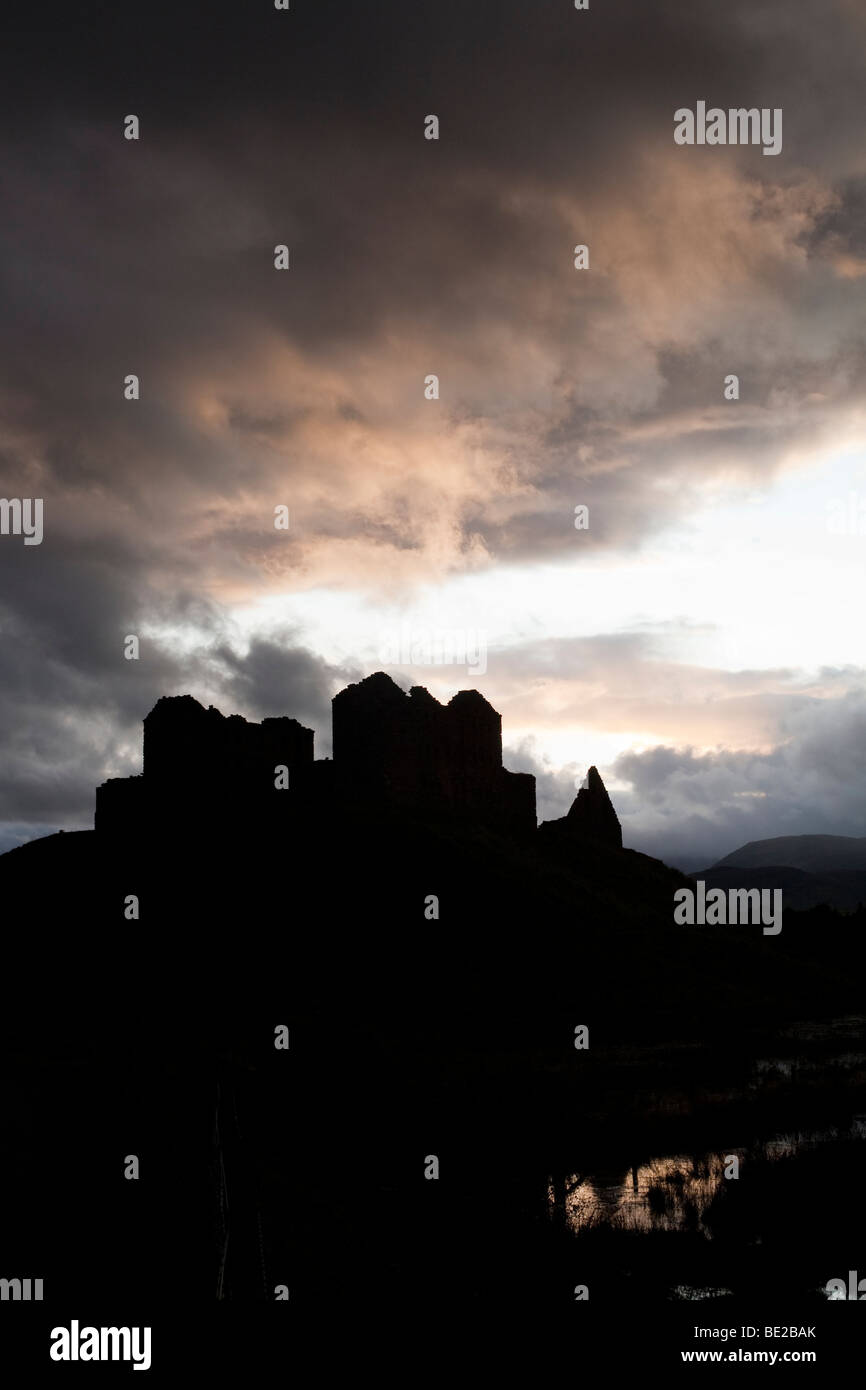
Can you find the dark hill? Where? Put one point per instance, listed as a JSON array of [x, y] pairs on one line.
[[810, 870], [256, 868], [800, 890], [417, 1027], [812, 853], [327, 900]]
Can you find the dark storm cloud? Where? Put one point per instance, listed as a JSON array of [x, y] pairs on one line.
[[841, 231], [274, 678], [308, 125]]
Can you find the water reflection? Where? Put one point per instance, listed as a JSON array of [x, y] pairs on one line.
[[666, 1194], [673, 1218], [674, 1192]]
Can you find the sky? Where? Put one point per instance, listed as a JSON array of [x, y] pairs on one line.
[[701, 640]]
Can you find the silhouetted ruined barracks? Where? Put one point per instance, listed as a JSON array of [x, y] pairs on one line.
[[412, 751], [391, 751]]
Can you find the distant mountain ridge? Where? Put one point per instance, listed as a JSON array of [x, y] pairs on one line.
[[812, 853], [809, 869]]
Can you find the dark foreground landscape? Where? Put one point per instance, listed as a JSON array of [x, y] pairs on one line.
[[412, 1035]]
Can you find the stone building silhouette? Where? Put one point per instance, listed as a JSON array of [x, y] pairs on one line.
[[411, 751], [201, 767], [391, 750], [591, 817]]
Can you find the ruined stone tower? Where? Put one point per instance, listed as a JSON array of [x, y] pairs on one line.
[[411, 751], [591, 819]]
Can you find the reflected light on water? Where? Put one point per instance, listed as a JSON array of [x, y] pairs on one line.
[[666, 1194], [671, 1193]]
